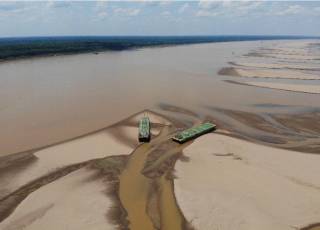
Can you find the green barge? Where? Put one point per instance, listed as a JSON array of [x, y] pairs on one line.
[[144, 130], [194, 132]]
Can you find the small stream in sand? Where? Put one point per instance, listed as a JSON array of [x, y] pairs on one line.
[[134, 189], [149, 201]]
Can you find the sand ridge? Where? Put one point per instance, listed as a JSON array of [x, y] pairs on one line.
[[294, 60]]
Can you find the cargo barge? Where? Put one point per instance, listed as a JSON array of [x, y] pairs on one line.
[[144, 130], [194, 132]]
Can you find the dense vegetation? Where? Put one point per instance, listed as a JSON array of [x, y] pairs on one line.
[[12, 48]]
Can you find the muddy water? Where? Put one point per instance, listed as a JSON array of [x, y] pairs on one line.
[[136, 189], [313, 227], [171, 216], [47, 100]]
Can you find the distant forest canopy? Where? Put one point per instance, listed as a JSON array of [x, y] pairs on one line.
[[12, 48]]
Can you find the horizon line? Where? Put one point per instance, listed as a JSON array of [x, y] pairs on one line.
[[198, 35]]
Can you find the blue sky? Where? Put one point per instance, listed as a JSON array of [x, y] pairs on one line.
[[57, 18]]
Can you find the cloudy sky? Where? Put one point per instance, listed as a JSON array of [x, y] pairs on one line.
[[46, 18]]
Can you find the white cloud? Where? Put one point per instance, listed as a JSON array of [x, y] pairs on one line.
[[9, 9], [183, 8], [165, 3], [58, 4], [101, 4], [208, 8], [208, 4], [227, 7], [291, 10], [100, 10], [249, 5], [126, 11]]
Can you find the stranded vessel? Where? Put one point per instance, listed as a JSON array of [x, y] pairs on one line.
[[144, 130], [194, 132]]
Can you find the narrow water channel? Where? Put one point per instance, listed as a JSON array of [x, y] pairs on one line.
[[136, 190]]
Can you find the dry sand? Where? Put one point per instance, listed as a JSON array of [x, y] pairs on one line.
[[294, 57], [304, 88], [224, 183], [265, 73], [60, 198], [233, 184], [93, 146], [64, 204], [119, 139], [278, 66], [294, 54]]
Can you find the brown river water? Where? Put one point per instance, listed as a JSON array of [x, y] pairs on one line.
[[48, 100]]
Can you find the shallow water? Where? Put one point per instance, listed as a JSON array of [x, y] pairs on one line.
[[134, 189], [47, 100]]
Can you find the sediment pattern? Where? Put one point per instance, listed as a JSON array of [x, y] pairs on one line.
[[280, 64]]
